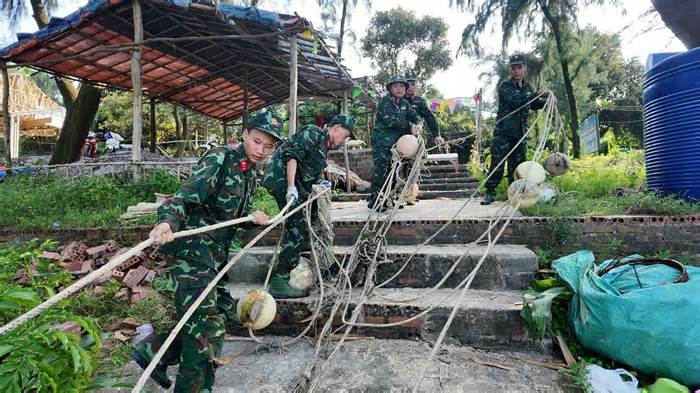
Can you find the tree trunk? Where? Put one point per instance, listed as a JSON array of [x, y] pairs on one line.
[[185, 136], [341, 34], [568, 85], [81, 106], [79, 115], [6, 114]]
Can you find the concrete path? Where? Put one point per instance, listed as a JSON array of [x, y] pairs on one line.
[[374, 365], [428, 209]]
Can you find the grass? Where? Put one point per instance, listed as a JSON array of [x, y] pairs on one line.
[[606, 185], [46, 202]]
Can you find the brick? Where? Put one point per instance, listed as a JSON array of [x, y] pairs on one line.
[[134, 276], [88, 265], [54, 256], [96, 251], [112, 247], [70, 327], [123, 294], [117, 275], [150, 276], [140, 293], [75, 266], [129, 323]]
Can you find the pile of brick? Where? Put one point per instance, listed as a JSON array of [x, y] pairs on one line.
[[136, 273]]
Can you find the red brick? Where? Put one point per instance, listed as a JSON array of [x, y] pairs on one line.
[[134, 276], [140, 293], [97, 251], [70, 327], [415, 324], [54, 256], [117, 275]]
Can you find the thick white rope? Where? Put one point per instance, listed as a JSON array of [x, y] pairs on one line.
[[283, 215]]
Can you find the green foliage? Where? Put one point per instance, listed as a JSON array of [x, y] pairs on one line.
[[537, 309], [264, 202], [37, 356], [398, 42], [41, 201]]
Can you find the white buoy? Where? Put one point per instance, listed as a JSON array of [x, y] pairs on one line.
[[547, 192], [523, 194], [407, 147], [557, 164], [257, 309], [531, 171], [301, 277]]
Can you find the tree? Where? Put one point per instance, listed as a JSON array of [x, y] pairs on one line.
[[81, 102], [329, 15], [398, 42], [524, 15]]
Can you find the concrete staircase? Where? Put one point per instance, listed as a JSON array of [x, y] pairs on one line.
[[436, 181]]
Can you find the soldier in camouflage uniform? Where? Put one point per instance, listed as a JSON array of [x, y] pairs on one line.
[[291, 172], [221, 188], [394, 118], [512, 94], [419, 106]]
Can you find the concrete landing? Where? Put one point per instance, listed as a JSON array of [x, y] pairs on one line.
[[486, 319], [432, 210], [506, 267], [373, 365]]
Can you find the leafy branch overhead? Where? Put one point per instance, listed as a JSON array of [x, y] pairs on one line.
[[398, 42]]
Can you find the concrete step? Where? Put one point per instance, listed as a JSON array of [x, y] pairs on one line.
[[447, 180], [448, 186], [376, 365], [507, 266], [447, 175], [427, 194], [445, 168], [486, 319]]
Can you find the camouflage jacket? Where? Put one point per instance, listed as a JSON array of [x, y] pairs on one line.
[[511, 97], [392, 121], [421, 108], [220, 188], [309, 147]]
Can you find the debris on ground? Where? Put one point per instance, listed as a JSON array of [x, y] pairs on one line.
[[336, 174]]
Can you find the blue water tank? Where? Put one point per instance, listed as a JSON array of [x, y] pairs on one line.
[[672, 125]]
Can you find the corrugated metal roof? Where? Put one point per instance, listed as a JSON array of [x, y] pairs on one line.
[[206, 74]]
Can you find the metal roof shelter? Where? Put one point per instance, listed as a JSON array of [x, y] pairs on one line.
[[221, 60]]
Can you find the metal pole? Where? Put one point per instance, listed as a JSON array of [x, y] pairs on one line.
[[153, 124], [293, 85], [6, 113], [245, 97], [137, 87]]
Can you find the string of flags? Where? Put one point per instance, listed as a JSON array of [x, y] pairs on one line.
[[453, 104]]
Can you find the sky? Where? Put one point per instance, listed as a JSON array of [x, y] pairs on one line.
[[462, 78]]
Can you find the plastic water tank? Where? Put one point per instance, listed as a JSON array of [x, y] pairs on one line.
[[672, 125]]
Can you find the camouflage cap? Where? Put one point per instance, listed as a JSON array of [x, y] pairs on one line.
[[345, 121], [267, 121], [517, 58], [411, 77], [396, 79]]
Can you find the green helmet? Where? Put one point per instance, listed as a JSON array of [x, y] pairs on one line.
[[267, 121], [396, 79], [517, 58], [346, 122], [411, 77]]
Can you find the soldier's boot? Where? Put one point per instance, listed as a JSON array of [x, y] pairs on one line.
[[488, 198], [159, 374], [280, 288]]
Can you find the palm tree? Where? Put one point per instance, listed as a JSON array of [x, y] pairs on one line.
[[81, 103], [524, 15]]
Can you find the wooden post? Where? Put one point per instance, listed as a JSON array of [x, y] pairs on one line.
[[477, 122], [344, 111], [6, 113], [293, 85], [153, 124], [137, 87], [245, 97]]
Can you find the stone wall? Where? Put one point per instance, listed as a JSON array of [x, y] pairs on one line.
[[360, 161]]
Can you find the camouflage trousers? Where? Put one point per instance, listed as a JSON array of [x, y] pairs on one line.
[[295, 236], [201, 339], [381, 157], [501, 145]]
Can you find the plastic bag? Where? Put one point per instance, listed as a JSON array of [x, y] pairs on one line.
[[602, 380], [636, 315]]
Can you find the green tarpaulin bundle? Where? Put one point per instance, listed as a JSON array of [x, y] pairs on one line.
[[636, 314]]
